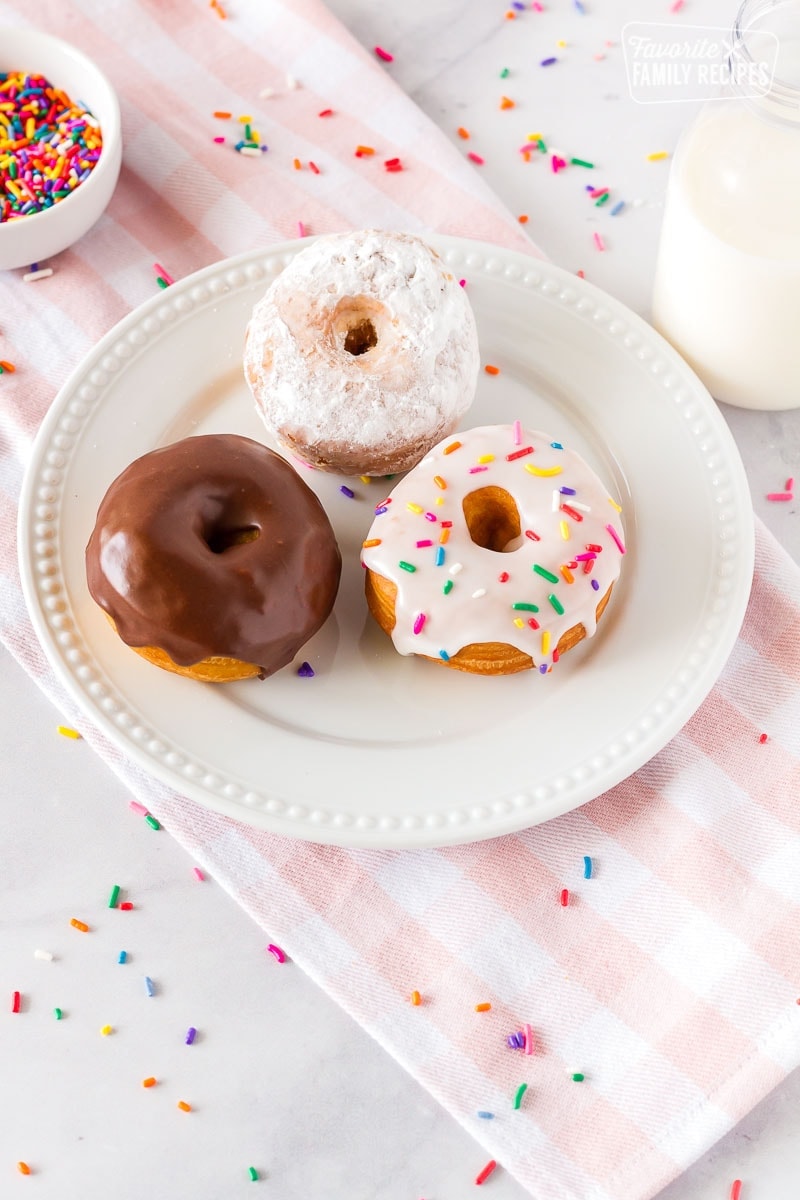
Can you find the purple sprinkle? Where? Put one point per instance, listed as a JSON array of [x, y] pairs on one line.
[[595, 585], [306, 671], [346, 491], [518, 5], [380, 510], [191, 1034], [543, 666], [565, 491], [547, 62]]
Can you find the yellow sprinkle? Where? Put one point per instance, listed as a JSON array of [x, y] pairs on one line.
[[65, 731], [614, 504], [453, 446], [546, 642], [444, 537], [417, 508], [76, 924], [518, 621], [568, 576], [561, 44], [255, 135], [659, 154], [184, 1107], [371, 542], [482, 1007], [564, 527], [440, 483], [542, 471], [106, 1030], [416, 998], [149, 1082], [245, 120], [365, 478], [534, 137], [484, 458], [30, 127], [439, 500]]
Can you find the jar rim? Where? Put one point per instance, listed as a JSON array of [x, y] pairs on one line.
[[781, 94]]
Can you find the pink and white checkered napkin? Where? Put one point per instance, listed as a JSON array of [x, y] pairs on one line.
[[672, 978]]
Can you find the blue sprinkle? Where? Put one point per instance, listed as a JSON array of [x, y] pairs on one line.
[[123, 955], [380, 510], [557, 445], [587, 867], [445, 657], [618, 208], [346, 491], [239, 145], [486, 1116], [439, 555], [595, 585], [565, 491], [305, 670], [149, 986]]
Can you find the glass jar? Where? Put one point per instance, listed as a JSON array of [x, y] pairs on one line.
[[727, 288]]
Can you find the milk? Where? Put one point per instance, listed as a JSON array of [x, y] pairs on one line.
[[727, 289]]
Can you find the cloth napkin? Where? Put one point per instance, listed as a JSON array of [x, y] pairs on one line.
[[672, 982]]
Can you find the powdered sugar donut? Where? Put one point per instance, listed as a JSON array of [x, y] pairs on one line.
[[363, 353]]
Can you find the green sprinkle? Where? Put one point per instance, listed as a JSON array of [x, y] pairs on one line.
[[521, 1090], [2, 369], [114, 897], [248, 133], [520, 607], [152, 822], [580, 162], [162, 283], [556, 603], [504, 74], [57, 1013], [545, 574], [602, 200], [407, 567], [578, 1078], [540, 143], [448, 587], [253, 1173]]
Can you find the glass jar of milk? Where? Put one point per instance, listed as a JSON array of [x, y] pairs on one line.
[[727, 289]]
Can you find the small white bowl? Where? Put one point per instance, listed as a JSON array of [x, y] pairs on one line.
[[39, 236]]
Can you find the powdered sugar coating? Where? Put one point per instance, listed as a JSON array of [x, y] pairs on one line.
[[376, 411]]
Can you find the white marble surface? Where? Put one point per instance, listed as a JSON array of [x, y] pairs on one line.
[[279, 1078]]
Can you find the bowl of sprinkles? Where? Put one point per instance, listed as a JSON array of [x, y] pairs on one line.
[[60, 146]]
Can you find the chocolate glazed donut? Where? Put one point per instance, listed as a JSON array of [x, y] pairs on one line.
[[213, 558]]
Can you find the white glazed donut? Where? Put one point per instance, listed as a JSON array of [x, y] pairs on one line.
[[363, 353], [496, 554]]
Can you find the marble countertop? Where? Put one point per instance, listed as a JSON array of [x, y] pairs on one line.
[[279, 1078]]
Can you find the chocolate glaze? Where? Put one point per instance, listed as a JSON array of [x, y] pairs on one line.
[[164, 562]]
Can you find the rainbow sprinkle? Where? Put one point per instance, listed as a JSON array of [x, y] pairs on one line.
[[48, 145]]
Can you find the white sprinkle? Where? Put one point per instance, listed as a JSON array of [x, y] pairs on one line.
[[90, 120], [32, 275], [267, 92], [292, 83], [573, 503], [456, 567], [480, 592], [250, 151], [44, 955], [556, 499]]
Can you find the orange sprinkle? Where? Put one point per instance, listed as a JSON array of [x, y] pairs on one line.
[[23, 1168], [568, 576], [149, 1082], [511, 16], [7, 366], [298, 166], [440, 483], [223, 116], [505, 102], [482, 1007], [371, 542], [526, 158], [523, 218], [362, 150], [76, 924], [218, 9], [490, 370], [453, 446], [462, 132], [416, 999], [184, 1107], [444, 537]]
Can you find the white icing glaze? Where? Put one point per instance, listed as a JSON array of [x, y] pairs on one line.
[[399, 397], [479, 606]]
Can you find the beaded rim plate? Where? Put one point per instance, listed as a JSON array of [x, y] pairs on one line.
[[378, 750]]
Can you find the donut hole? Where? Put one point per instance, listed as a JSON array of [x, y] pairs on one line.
[[492, 519], [360, 337], [221, 539], [358, 324]]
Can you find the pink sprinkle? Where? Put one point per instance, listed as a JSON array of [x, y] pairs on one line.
[[139, 808], [427, 542], [517, 433], [198, 873], [596, 193], [276, 952], [419, 622], [557, 164], [585, 557], [477, 470], [537, 7], [462, 283], [780, 496], [384, 54], [429, 516], [301, 229], [598, 241], [789, 485], [677, 6], [528, 1039], [159, 270], [476, 158], [611, 530], [219, 140]]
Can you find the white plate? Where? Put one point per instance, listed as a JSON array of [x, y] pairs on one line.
[[380, 750]]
